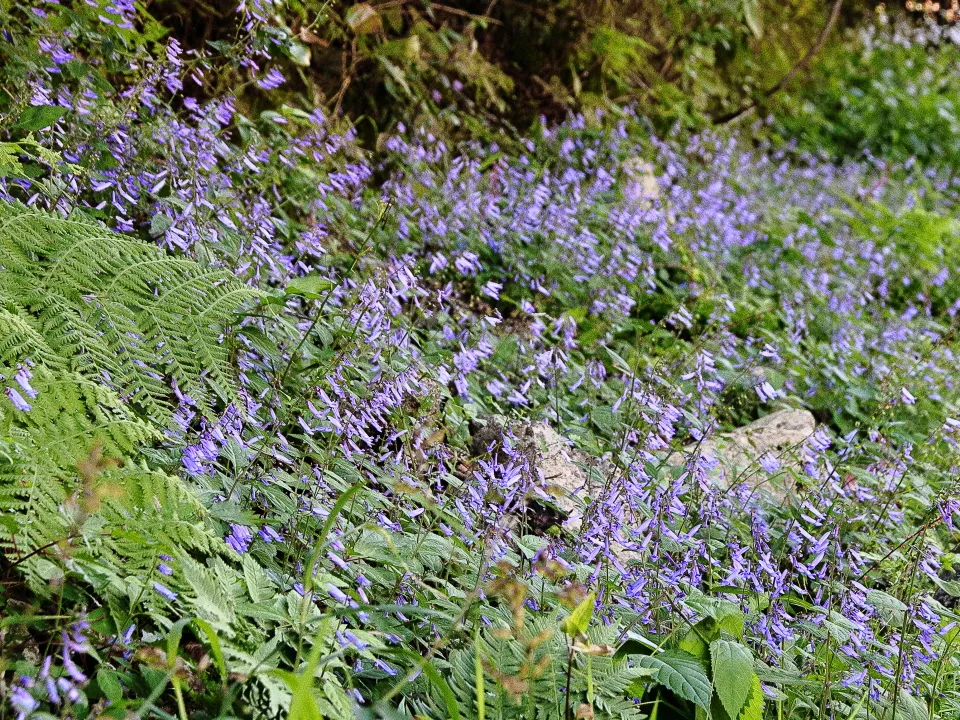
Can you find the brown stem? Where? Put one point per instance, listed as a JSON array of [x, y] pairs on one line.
[[794, 71], [40, 549]]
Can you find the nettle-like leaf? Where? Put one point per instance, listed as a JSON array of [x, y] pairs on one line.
[[681, 673], [732, 665], [753, 709]]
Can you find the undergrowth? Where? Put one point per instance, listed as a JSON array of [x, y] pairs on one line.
[[277, 410]]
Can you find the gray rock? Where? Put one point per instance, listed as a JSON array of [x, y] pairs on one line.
[[557, 462], [568, 476], [781, 434]]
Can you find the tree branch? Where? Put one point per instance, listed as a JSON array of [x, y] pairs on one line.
[[794, 71]]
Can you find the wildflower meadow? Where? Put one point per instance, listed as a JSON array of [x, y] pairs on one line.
[[479, 361]]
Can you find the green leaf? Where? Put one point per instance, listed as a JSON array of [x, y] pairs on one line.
[[681, 673], [890, 608], [159, 224], [299, 53], [449, 699], [752, 15], [331, 520], [109, 684], [728, 615], [173, 638], [363, 19], [732, 669], [753, 710], [603, 417], [37, 117], [576, 623], [311, 286], [215, 647], [698, 638], [303, 705]]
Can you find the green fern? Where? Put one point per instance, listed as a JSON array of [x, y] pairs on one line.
[[121, 311], [108, 326]]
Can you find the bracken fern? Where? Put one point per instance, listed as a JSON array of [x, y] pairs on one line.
[[118, 310]]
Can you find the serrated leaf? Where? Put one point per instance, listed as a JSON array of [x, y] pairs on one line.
[[698, 638], [576, 623], [38, 117], [258, 583], [681, 673], [109, 683], [603, 417], [889, 607], [753, 710], [732, 665], [159, 224]]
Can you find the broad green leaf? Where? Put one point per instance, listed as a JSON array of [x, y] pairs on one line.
[[311, 286], [732, 665], [889, 607], [733, 623], [109, 683], [753, 710], [159, 224], [299, 53], [910, 707], [603, 417], [576, 622], [728, 615], [37, 117], [698, 638], [681, 673]]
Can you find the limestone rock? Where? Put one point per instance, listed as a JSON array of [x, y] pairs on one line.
[[781, 434], [563, 478], [641, 185]]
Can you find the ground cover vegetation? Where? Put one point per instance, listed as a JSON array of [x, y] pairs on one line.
[[286, 300]]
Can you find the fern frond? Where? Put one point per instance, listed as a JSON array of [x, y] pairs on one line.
[[115, 308]]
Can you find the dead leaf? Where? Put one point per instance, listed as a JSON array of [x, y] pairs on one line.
[[311, 38], [363, 19]]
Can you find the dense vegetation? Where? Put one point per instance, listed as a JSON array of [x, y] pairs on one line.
[[293, 320]]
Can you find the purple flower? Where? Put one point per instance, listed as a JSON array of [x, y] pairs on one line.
[[766, 392], [769, 462], [272, 80], [23, 702], [165, 591], [17, 399], [492, 289], [269, 534], [239, 538], [23, 378]]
